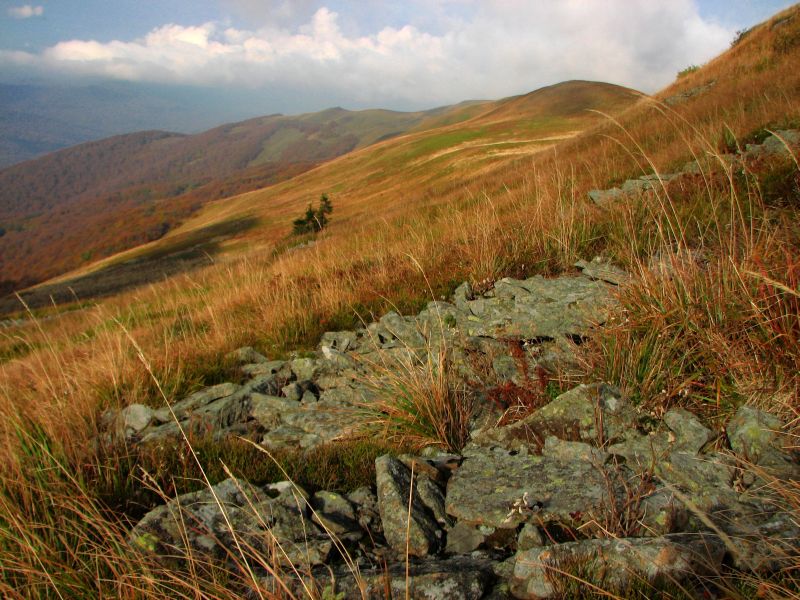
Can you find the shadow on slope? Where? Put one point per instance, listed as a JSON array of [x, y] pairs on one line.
[[181, 254]]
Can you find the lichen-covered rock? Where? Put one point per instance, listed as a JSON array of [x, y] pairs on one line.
[[132, 420], [417, 530], [461, 578], [603, 270], [246, 355], [514, 488], [574, 415], [756, 436], [217, 522], [690, 434], [613, 564], [335, 513]]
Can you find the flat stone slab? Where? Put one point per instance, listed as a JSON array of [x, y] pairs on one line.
[[501, 489]]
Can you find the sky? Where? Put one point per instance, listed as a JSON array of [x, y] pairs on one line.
[[308, 55]]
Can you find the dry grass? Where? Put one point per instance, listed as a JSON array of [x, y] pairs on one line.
[[712, 335]]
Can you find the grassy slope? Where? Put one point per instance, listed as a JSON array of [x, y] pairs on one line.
[[432, 228], [98, 198], [425, 167]]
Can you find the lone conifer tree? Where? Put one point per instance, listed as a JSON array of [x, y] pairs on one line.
[[314, 220]]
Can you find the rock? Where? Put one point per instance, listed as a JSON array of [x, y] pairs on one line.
[[421, 534], [464, 538], [603, 271], [613, 564], [335, 513], [246, 355], [196, 401], [462, 295], [529, 537], [260, 518], [574, 415], [690, 434], [292, 392], [366, 507], [277, 368], [133, 419], [460, 577], [768, 546], [756, 436], [304, 369], [604, 197], [515, 488], [573, 451]]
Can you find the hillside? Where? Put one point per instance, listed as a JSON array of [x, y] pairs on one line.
[[131, 189], [36, 119], [543, 352], [469, 141]]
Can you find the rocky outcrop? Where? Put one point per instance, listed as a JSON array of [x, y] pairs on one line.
[[780, 143], [585, 486]]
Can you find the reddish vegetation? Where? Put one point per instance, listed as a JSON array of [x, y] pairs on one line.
[[518, 401]]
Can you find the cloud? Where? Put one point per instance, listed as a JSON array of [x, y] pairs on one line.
[[26, 11], [479, 50]]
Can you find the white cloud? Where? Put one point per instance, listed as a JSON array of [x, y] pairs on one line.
[[26, 11], [491, 50]]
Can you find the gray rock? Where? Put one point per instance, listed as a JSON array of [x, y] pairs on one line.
[[246, 355], [261, 518], [463, 538], [292, 392], [198, 400], [613, 564], [574, 415], [515, 488], [756, 436], [605, 197], [462, 295], [335, 513], [768, 546], [133, 419], [277, 368], [603, 271], [529, 537], [460, 577], [690, 434], [420, 534], [304, 369]]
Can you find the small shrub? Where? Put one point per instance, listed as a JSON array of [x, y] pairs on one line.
[[740, 35], [688, 70], [314, 220]]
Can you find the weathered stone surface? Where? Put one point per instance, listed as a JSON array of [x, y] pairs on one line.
[[529, 537], [690, 434], [516, 487], [334, 513], [603, 270], [768, 546], [605, 197], [463, 538], [420, 533], [260, 517], [461, 578], [133, 419], [615, 563], [756, 436], [246, 355], [574, 415]]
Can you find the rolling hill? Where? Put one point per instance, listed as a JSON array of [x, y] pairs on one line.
[[448, 269], [98, 198], [464, 144]]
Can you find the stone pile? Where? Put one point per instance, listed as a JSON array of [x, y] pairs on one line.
[[585, 484]]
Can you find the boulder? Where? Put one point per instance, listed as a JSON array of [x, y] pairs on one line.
[[415, 530], [217, 522], [756, 436]]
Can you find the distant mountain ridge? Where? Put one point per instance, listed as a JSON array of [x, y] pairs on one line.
[[92, 200]]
